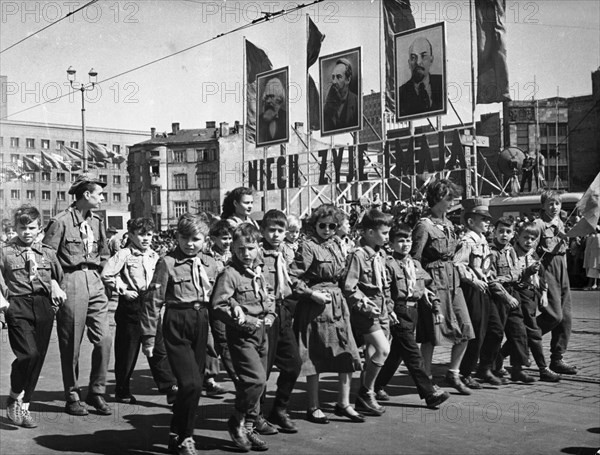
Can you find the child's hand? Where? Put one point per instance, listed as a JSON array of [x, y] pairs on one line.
[[393, 318], [268, 322], [480, 285], [532, 269], [238, 315], [322, 298], [58, 295], [148, 351], [544, 300], [130, 295], [438, 318], [513, 303]]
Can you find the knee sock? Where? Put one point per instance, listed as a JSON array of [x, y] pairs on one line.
[[372, 369]]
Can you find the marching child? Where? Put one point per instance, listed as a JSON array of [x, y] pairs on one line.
[[240, 299], [128, 274], [182, 282], [283, 347], [532, 292], [343, 234], [31, 286], [505, 298], [556, 316], [292, 235], [220, 243], [473, 260], [365, 289], [408, 285]]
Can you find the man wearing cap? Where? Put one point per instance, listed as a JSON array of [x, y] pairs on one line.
[[79, 238], [113, 241], [473, 260]]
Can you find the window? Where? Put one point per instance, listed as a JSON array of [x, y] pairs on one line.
[[179, 156], [207, 180], [15, 194], [180, 181], [46, 177], [30, 143], [127, 179], [116, 179], [201, 155], [75, 144], [60, 177], [155, 170], [562, 129], [14, 158], [74, 177], [14, 142], [45, 195], [116, 148], [104, 178], [60, 145], [30, 194], [46, 144], [61, 196], [117, 197], [205, 205], [551, 129], [180, 208], [155, 196]]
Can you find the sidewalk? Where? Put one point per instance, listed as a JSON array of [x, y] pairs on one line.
[[541, 418]]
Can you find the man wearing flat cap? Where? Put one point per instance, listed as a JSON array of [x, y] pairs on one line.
[[79, 238]]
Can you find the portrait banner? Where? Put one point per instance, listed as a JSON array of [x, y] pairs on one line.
[[272, 107]]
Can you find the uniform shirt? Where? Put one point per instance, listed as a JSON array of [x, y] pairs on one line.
[[235, 286], [506, 273], [278, 281], [64, 235], [173, 284], [130, 268], [473, 258], [406, 288], [365, 279], [16, 272], [289, 250], [524, 260], [549, 241], [221, 258]]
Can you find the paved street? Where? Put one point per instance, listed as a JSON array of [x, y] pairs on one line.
[[530, 419]]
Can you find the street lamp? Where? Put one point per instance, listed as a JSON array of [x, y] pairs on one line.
[[93, 79]]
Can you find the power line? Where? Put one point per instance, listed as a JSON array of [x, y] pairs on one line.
[[265, 18], [49, 25]]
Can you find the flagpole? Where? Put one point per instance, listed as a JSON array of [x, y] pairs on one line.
[[308, 126], [557, 178], [244, 95], [473, 159], [382, 73]]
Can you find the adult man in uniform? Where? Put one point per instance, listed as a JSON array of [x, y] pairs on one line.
[[79, 238]]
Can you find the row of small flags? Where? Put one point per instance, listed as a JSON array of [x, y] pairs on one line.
[[68, 160], [492, 69]]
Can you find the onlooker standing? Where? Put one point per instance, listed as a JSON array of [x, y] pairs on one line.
[[78, 237], [591, 259]]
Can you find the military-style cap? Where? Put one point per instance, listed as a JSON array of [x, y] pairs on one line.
[[476, 205], [86, 177]]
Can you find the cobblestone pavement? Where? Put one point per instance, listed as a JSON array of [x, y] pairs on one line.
[[526, 419]]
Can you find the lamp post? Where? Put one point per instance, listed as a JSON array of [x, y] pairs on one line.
[[93, 79]]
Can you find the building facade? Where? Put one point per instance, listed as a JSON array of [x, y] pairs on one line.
[[48, 190]]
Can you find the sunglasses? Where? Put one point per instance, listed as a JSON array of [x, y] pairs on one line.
[[331, 226]]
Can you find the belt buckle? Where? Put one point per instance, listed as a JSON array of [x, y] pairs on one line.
[[197, 306], [84, 267]]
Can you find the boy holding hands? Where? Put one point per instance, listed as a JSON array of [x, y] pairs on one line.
[[240, 299]]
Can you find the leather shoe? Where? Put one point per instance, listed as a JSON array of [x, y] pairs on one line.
[[518, 375], [76, 408], [127, 399], [488, 377], [453, 380], [342, 411], [547, 375], [281, 418], [382, 395], [561, 367], [172, 394], [436, 398], [261, 426], [98, 402], [366, 403], [310, 416], [238, 434], [471, 383]]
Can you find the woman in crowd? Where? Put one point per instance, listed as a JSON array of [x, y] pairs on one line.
[[322, 321], [434, 243], [237, 206]]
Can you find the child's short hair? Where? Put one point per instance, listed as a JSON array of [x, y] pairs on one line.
[[144, 225], [550, 195], [400, 230], [293, 221], [27, 214], [276, 217], [247, 232], [220, 228], [189, 224], [529, 227], [506, 221], [375, 218]]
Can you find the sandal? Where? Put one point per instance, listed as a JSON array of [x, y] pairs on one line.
[[310, 416]]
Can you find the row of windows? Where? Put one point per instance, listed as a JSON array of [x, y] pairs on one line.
[[205, 180], [45, 144], [60, 195], [181, 156], [61, 177]]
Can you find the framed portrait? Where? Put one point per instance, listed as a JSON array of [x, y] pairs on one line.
[[272, 107], [420, 62], [341, 92]]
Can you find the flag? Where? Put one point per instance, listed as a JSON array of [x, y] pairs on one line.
[[72, 153], [31, 164], [257, 61], [55, 161], [589, 205], [397, 17], [492, 69], [98, 152], [313, 49]]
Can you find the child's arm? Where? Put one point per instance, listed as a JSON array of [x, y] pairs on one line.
[[389, 286], [58, 296], [222, 301], [419, 237], [3, 294], [151, 304], [302, 262], [462, 260], [112, 270], [354, 296]]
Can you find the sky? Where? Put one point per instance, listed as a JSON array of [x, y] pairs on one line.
[[553, 46]]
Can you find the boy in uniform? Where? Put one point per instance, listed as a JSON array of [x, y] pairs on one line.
[[408, 283], [240, 299], [183, 283], [556, 316], [30, 285]]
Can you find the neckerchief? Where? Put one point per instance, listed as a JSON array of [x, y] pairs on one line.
[[283, 278], [87, 234], [257, 281], [410, 272], [200, 278], [32, 266], [379, 270]]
